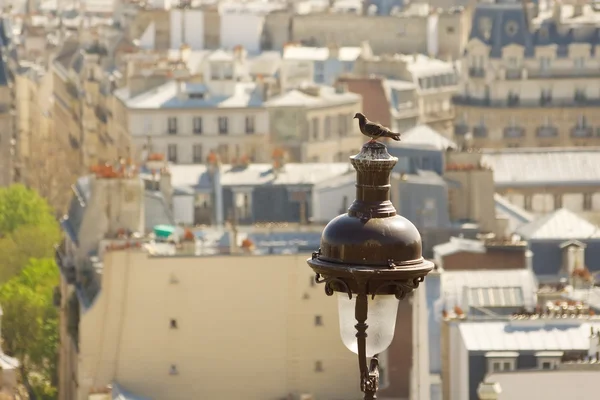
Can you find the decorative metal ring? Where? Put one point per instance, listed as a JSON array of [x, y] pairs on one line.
[[328, 281], [402, 287]]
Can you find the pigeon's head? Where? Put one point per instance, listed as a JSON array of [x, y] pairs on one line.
[[360, 116]]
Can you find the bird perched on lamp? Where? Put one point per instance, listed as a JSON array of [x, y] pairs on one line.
[[373, 129]]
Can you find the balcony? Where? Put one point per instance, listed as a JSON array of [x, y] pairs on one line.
[[582, 131], [546, 132], [570, 73], [523, 103], [476, 72], [513, 74], [514, 132], [480, 131]]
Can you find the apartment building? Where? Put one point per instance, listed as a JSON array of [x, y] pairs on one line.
[[529, 76], [186, 119], [436, 82], [147, 295], [315, 123]]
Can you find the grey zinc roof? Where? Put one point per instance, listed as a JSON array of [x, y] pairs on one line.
[[426, 137], [258, 174], [462, 288], [546, 384], [559, 224], [528, 335], [456, 244], [327, 97], [499, 15], [545, 166], [516, 215], [245, 95], [494, 297]]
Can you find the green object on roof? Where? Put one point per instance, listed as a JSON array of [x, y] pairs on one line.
[[163, 231]]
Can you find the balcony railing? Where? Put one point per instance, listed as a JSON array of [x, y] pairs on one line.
[[514, 132], [569, 73], [523, 103], [546, 131], [582, 131], [514, 74], [476, 72]]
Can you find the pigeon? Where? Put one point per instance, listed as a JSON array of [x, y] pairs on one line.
[[374, 130]]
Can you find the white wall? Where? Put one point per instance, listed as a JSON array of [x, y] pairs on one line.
[[176, 31], [183, 209], [327, 201], [432, 35], [243, 29], [194, 29]]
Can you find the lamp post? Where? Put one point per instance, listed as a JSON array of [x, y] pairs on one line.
[[370, 258]]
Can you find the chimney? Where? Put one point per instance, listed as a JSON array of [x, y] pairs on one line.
[[334, 51], [278, 160], [188, 242], [240, 54], [166, 188], [214, 171], [488, 391], [262, 87], [578, 8], [116, 204]]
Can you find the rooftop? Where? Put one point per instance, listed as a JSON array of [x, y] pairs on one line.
[[423, 136], [531, 334], [560, 224], [327, 96], [489, 288], [545, 384], [295, 52], [545, 167], [245, 95], [197, 176]]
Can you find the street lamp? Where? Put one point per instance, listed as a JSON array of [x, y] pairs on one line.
[[370, 258]]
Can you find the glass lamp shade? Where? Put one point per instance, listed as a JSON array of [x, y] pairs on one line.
[[381, 319]]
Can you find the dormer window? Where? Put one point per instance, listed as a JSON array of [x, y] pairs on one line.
[[548, 359], [545, 63], [501, 361], [579, 62]]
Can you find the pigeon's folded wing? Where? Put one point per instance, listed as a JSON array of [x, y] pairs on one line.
[[376, 129]]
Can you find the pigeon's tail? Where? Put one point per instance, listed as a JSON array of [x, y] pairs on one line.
[[395, 136]]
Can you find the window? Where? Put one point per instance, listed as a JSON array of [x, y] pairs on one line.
[[581, 121], [315, 128], [172, 125], [318, 366], [544, 64], [172, 153], [513, 62], [501, 361], [197, 153], [173, 370], [579, 95], [197, 122], [319, 72], [318, 320], [223, 126], [223, 151], [242, 205], [342, 125], [327, 127], [173, 324], [548, 359], [579, 62], [250, 124]]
